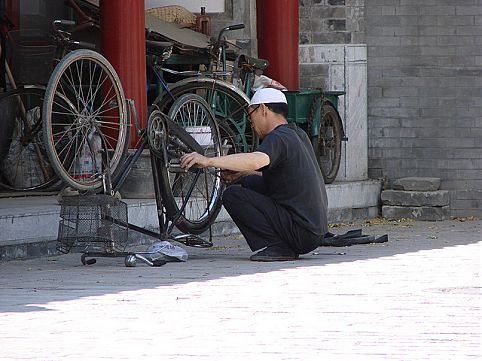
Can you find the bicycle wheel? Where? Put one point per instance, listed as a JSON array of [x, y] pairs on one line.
[[228, 104], [86, 132], [192, 199], [24, 164], [327, 145]]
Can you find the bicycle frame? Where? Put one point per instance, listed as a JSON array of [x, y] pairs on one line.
[[166, 224]]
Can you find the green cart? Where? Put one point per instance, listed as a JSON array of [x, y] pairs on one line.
[[316, 111]]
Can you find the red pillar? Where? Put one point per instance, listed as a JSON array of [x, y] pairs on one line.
[[278, 34], [123, 44], [12, 10]]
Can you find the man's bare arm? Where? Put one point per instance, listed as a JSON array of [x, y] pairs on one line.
[[240, 162]]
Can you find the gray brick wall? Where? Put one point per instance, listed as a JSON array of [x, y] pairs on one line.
[[425, 94], [424, 83], [332, 22], [328, 22]]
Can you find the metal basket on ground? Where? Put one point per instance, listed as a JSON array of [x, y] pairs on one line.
[[93, 224]]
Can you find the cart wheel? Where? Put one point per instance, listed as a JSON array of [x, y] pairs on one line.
[[130, 260], [327, 145], [87, 262]]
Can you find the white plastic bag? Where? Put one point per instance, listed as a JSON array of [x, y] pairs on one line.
[[21, 166], [263, 81], [167, 251]]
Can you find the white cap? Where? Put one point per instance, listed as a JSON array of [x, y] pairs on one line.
[[268, 95]]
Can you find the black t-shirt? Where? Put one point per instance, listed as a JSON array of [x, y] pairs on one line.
[[293, 178]]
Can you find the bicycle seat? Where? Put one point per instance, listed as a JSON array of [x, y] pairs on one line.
[[159, 48], [245, 60]]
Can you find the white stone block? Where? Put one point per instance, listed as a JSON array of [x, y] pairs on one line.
[[347, 72], [321, 54]]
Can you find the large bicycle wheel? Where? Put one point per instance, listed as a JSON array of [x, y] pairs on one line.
[[24, 164], [192, 199], [228, 104], [327, 145], [85, 120]]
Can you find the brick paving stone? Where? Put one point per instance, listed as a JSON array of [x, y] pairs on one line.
[[417, 184], [415, 198], [416, 297], [419, 213]]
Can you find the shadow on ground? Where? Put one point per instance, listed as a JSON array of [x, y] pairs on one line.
[[30, 285]]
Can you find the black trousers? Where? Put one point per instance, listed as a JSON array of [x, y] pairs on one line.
[[263, 222]]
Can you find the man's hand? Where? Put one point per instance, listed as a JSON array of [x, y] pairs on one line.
[[194, 160]]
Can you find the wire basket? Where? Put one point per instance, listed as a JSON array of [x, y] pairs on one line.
[[174, 14], [31, 56], [96, 223]]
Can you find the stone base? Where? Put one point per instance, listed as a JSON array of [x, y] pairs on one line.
[[352, 214], [417, 213], [417, 184], [415, 199]]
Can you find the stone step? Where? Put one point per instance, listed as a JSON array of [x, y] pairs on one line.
[[417, 213], [415, 198], [417, 184], [29, 225]]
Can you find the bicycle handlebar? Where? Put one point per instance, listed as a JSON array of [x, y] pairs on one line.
[[235, 27], [229, 28], [56, 23], [63, 36], [82, 44]]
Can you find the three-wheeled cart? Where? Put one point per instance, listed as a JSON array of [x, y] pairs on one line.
[[316, 111]]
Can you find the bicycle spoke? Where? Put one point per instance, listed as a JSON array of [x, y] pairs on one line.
[[196, 194], [86, 117]]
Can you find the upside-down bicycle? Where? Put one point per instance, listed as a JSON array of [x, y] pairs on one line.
[[85, 125]]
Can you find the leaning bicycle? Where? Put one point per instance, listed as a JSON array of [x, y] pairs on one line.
[[24, 163]]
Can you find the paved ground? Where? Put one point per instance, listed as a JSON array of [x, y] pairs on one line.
[[417, 297]]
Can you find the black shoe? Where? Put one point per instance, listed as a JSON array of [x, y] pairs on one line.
[[274, 254]]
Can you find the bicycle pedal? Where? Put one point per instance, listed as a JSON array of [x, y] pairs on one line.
[[191, 240]]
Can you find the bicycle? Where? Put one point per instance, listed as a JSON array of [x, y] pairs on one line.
[[24, 161], [188, 200], [74, 114], [228, 103]]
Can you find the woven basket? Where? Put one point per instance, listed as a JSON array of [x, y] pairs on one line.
[[174, 14]]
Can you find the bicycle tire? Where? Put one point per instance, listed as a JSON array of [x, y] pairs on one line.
[[327, 145], [228, 104], [86, 131], [24, 164], [192, 127]]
